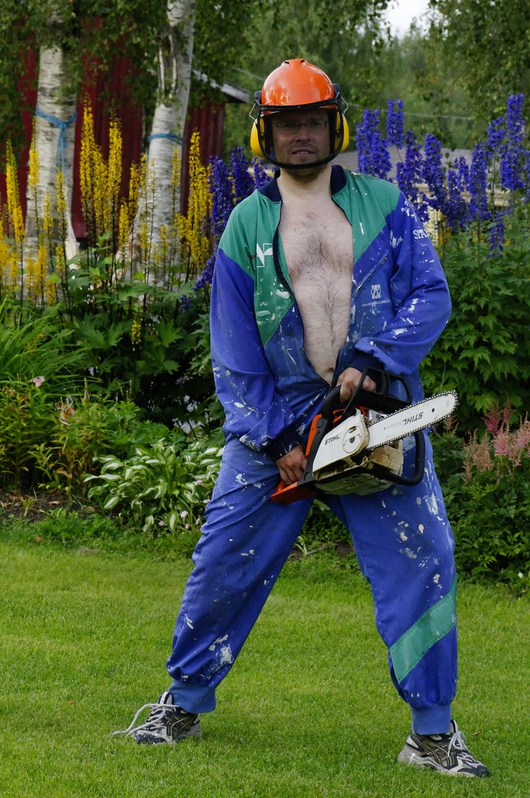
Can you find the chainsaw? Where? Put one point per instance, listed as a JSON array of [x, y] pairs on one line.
[[358, 447]]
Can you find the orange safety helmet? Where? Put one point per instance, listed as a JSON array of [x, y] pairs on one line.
[[297, 85]]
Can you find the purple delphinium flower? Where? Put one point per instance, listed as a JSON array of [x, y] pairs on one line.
[[185, 303], [496, 237], [456, 209], [206, 276], [395, 125], [381, 163], [260, 175], [478, 183], [365, 132], [243, 182], [408, 175], [221, 190], [433, 173], [512, 155], [496, 134]]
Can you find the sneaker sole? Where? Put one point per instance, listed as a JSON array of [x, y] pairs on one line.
[[193, 733], [411, 758]]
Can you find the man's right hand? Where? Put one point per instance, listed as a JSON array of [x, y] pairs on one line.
[[350, 380], [292, 465]]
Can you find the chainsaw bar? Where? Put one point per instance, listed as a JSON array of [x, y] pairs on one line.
[[354, 435], [411, 419]]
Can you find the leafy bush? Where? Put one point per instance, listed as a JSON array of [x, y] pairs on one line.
[[45, 440], [25, 424], [161, 487], [36, 345], [487, 499], [484, 352]]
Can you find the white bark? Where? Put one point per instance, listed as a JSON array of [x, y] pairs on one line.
[[174, 77], [54, 137]]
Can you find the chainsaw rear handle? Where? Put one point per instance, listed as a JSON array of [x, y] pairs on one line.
[[380, 400], [419, 465]]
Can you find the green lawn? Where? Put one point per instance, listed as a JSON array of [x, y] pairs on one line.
[[307, 711]]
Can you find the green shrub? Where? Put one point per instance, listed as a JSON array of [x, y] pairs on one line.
[[55, 442], [163, 487], [26, 420], [484, 352], [488, 501], [36, 345]]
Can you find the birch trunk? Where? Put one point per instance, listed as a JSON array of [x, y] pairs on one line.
[[53, 141], [174, 77]]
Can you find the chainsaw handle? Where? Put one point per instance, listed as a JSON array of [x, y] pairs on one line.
[[419, 466], [381, 399]]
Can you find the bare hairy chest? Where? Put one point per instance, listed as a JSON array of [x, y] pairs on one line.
[[318, 249], [318, 245]]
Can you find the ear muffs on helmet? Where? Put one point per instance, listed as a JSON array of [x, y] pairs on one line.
[[255, 144], [297, 85], [340, 143]]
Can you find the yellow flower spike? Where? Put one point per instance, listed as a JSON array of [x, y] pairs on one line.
[[123, 230], [47, 220], [13, 270], [34, 165], [62, 205], [34, 178], [5, 257], [50, 292], [136, 333], [85, 165], [41, 270], [114, 171], [13, 196], [60, 261], [176, 172], [144, 241]]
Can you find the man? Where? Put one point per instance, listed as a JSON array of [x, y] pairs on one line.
[[320, 275]]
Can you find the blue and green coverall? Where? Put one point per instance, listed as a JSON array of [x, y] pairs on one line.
[[270, 392]]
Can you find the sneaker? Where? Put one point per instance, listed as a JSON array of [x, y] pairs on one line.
[[446, 753], [166, 723]]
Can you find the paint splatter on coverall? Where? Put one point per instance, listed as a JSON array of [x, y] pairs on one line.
[[270, 391]]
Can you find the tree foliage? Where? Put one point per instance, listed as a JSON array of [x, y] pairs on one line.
[[96, 32], [487, 48]]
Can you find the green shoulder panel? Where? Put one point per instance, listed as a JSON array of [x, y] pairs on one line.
[[248, 240], [366, 201]]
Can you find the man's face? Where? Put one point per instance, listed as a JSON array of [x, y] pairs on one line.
[[300, 137]]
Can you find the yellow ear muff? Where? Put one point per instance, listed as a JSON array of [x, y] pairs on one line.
[[346, 139], [345, 132], [255, 145]]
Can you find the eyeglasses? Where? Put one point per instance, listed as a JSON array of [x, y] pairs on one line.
[[292, 126]]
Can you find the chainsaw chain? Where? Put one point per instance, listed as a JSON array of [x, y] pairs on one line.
[[411, 407]]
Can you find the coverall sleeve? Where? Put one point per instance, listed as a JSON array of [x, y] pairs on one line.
[[419, 293], [245, 385]]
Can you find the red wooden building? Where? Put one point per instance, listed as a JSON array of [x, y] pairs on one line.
[[110, 92]]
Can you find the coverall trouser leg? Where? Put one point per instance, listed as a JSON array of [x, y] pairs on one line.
[[404, 545]]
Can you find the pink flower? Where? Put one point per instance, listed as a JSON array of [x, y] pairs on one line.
[[37, 381]]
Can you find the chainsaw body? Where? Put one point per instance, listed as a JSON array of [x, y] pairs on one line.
[[339, 456]]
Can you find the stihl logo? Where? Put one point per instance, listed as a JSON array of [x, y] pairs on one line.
[[330, 440], [412, 419]]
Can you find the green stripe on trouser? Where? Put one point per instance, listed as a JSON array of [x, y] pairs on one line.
[[434, 624]]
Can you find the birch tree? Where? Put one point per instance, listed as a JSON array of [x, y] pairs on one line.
[[53, 141], [52, 24], [174, 78]]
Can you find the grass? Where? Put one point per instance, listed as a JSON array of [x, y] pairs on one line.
[[308, 710]]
